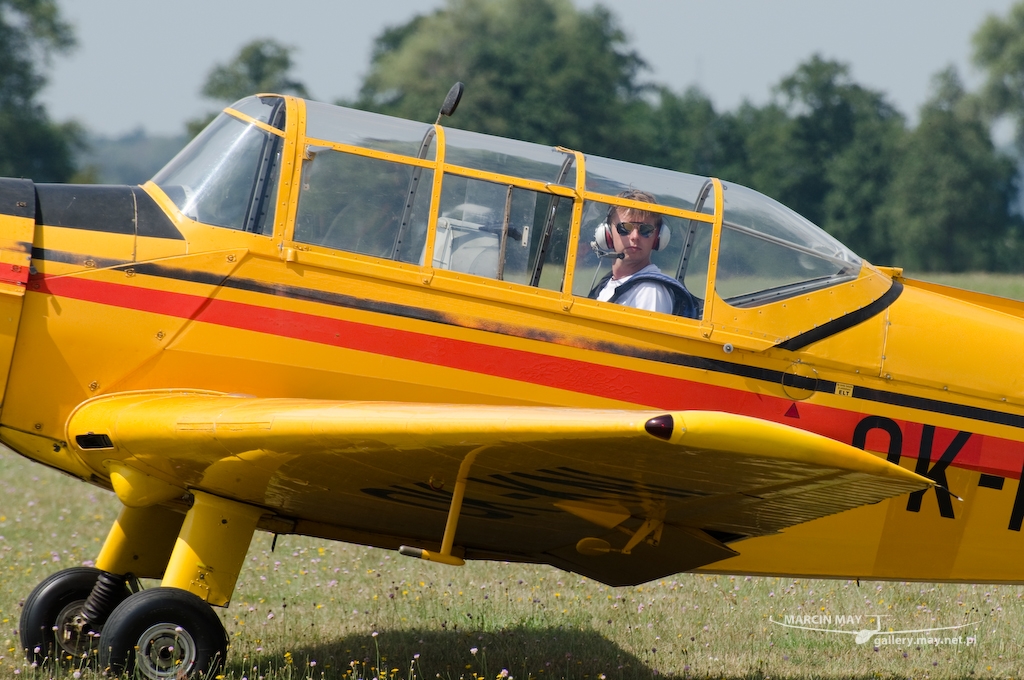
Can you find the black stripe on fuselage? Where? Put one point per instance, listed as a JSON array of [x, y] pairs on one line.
[[946, 408], [844, 322], [78, 259], [661, 356]]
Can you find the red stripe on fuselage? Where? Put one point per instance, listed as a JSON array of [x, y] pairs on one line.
[[987, 454], [14, 273]]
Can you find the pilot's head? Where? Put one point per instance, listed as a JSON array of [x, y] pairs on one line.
[[635, 233]]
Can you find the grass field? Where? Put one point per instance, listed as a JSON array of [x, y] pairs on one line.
[[1005, 285], [316, 609]]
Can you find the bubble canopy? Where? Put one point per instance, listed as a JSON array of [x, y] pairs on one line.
[[229, 177]]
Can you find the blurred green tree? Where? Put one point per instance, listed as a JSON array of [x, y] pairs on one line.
[[31, 31], [260, 66], [825, 147], [538, 70], [683, 132], [949, 206], [999, 50], [859, 177]]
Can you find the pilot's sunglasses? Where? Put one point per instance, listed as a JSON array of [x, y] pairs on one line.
[[626, 228]]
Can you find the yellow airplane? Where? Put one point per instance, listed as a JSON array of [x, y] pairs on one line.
[[328, 322]]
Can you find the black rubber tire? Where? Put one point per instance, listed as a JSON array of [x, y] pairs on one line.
[[59, 596], [163, 633]]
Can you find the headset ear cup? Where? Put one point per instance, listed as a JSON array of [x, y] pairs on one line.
[[662, 239], [603, 234]]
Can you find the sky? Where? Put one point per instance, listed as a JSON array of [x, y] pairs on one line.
[[141, 64]]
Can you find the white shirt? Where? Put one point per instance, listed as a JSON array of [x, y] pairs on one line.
[[648, 295]]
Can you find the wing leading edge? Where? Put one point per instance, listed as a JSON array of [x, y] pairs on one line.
[[621, 496]]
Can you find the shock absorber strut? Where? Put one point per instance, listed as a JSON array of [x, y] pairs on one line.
[[108, 592]]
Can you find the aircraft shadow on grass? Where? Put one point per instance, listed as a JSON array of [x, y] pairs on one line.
[[539, 652]]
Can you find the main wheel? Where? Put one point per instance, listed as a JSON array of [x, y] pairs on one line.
[[51, 623], [163, 633]]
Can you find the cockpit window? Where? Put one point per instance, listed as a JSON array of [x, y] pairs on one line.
[[354, 200], [227, 175], [489, 228], [502, 231], [509, 157], [369, 130], [674, 189], [768, 252], [684, 252], [363, 205]]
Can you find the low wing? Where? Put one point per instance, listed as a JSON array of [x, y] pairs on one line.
[[621, 496]]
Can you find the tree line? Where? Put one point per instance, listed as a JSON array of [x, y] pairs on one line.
[[937, 195]]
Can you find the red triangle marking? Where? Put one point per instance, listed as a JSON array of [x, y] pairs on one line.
[[792, 412]]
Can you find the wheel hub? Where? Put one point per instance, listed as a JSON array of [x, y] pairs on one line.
[[165, 651], [73, 634]]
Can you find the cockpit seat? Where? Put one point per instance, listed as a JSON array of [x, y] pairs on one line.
[[466, 247]]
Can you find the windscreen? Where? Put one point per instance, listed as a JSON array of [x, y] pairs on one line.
[[768, 252], [227, 175]]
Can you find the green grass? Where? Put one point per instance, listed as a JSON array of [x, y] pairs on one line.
[[1004, 285], [316, 609]]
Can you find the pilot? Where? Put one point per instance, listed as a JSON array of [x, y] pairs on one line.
[[635, 280]]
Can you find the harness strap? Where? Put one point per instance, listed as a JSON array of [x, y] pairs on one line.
[[684, 303]]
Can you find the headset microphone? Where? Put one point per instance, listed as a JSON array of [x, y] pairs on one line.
[[603, 235], [601, 252]]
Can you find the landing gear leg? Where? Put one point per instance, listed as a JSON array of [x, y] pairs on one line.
[[172, 632]]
